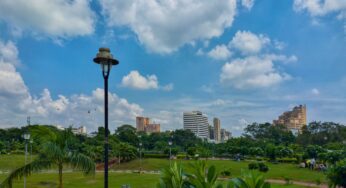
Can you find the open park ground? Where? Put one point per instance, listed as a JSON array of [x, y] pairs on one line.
[[120, 174]]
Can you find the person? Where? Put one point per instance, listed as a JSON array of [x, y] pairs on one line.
[[308, 163], [312, 163]]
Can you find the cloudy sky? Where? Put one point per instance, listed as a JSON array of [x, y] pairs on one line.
[[240, 60]]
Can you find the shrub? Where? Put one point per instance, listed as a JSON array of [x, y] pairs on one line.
[[226, 172], [287, 160], [253, 166], [262, 167], [337, 174], [155, 155]]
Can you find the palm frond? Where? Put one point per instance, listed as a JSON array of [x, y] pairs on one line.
[[26, 170], [82, 162]]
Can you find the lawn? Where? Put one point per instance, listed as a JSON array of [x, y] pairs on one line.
[[276, 171], [75, 179]]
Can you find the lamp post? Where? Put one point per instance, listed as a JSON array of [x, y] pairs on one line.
[[170, 152], [140, 157], [105, 59], [26, 138], [31, 142]]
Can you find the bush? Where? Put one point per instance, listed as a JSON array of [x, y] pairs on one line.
[[337, 174], [226, 173], [253, 166], [262, 167]]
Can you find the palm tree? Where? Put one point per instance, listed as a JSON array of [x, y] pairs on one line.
[[203, 177], [55, 152], [172, 177], [250, 179]]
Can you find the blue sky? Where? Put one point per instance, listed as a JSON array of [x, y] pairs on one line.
[[240, 60]]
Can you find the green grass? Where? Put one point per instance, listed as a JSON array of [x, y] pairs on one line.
[[276, 171]]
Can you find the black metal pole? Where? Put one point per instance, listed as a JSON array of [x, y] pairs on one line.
[[106, 131]]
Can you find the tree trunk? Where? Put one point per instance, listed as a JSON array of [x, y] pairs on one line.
[[60, 176]]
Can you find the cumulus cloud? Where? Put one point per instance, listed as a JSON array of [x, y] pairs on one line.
[[16, 102], [164, 26], [320, 8], [54, 18], [252, 72], [249, 43], [248, 3], [315, 91], [136, 81], [220, 52], [168, 87]]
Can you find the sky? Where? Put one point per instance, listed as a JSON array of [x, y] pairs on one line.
[[242, 61]]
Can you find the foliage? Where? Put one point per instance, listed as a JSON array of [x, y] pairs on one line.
[[260, 166], [203, 176], [337, 174], [54, 152], [172, 177], [250, 179]]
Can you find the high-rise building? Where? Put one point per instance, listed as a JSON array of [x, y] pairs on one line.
[[143, 124], [225, 135], [293, 120], [197, 123], [211, 132], [217, 130], [152, 128]]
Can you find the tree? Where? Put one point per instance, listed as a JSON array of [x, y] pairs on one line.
[[54, 152], [127, 133], [337, 174]]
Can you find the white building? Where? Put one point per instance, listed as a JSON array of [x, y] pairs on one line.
[[80, 130], [197, 123]]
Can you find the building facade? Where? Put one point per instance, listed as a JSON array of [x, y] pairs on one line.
[[79, 131], [152, 128], [225, 135], [217, 130], [293, 120], [143, 124], [197, 122]]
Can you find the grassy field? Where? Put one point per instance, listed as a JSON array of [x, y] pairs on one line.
[[75, 179], [277, 171]]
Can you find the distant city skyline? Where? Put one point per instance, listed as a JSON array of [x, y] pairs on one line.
[[242, 61]]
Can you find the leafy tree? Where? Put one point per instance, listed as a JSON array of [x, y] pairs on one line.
[[54, 152], [337, 174], [127, 133]]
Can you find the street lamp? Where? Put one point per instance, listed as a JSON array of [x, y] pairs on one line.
[[105, 59], [31, 142], [26, 137], [170, 152], [140, 157]]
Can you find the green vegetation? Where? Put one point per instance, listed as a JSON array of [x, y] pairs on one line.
[[55, 151]]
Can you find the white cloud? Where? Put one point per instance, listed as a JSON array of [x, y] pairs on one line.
[[164, 26], [315, 91], [136, 81], [220, 52], [9, 53], [251, 72], [318, 7], [168, 87], [16, 102], [54, 18], [207, 89], [248, 3], [248, 43]]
